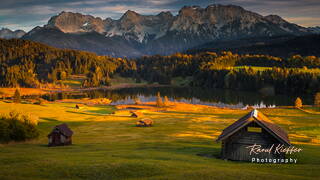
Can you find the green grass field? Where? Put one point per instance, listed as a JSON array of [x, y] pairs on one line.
[[75, 81], [181, 145]]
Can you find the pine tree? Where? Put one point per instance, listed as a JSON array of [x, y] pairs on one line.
[[54, 75], [17, 97], [317, 99], [159, 102], [137, 101], [107, 80], [166, 101], [298, 103]]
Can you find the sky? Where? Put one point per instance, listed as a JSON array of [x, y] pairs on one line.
[[27, 14]]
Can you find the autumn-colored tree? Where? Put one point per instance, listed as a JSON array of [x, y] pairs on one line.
[[166, 101], [317, 99], [298, 103], [107, 80], [62, 75], [17, 96], [159, 102], [137, 101]]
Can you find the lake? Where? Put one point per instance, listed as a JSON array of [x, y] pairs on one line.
[[204, 96]]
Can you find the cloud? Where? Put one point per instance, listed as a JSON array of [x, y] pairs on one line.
[[25, 14]]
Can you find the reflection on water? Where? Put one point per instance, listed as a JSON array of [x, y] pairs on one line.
[[204, 96]]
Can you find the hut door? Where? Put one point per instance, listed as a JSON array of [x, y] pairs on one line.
[[56, 138], [240, 152]]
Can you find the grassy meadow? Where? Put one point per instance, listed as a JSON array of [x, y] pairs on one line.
[[181, 145]]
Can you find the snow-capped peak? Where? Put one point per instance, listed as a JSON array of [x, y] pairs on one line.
[[210, 23]]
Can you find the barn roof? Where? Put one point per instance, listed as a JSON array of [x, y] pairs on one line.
[[260, 119], [64, 129]]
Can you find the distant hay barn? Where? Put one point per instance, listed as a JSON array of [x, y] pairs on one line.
[[136, 114], [253, 128], [79, 106], [60, 135], [144, 123]]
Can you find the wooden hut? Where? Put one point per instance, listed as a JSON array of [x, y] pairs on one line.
[[79, 106], [253, 128], [61, 135], [144, 123], [136, 114]]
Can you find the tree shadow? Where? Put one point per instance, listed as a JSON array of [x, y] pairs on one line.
[[49, 119], [90, 114], [212, 153]]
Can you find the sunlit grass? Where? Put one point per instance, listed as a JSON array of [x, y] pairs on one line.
[[180, 145], [116, 80]]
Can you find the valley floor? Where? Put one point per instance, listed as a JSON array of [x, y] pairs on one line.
[[180, 145]]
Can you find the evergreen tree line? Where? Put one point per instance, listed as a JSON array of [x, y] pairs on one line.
[[29, 64], [280, 79], [233, 71]]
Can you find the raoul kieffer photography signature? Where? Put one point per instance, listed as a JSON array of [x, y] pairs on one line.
[[273, 149]]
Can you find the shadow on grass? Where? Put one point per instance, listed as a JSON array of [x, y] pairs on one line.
[[192, 148], [210, 153], [49, 119], [43, 145], [100, 111], [8, 102], [189, 113], [90, 114], [58, 147]]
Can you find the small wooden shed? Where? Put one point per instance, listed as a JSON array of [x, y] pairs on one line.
[[144, 123], [60, 135], [79, 106], [253, 128]]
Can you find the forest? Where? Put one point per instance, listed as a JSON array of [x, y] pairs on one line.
[[296, 74], [28, 64]]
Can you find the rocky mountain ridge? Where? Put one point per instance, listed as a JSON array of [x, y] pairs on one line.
[[6, 33], [165, 33]]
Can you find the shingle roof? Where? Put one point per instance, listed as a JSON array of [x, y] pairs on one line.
[[64, 129], [260, 119]]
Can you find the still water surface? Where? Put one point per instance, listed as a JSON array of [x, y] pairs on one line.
[[204, 96]]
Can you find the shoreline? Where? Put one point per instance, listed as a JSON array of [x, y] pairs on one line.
[[9, 92]]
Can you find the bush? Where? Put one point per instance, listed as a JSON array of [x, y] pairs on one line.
[[159, 102], [166, 101], [40, 101], [1, 94], [137, 101], [17, 127], [17, 96]]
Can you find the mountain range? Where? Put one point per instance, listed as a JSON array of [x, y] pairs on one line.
[[280, 46], [6, 33], [135, 35]]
